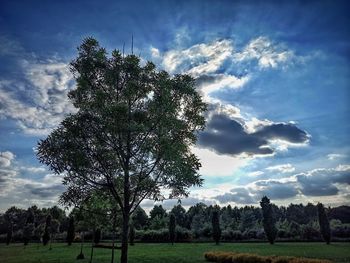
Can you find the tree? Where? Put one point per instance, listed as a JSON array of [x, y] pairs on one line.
[[157, 211], [180, 214], [71, 231], [28, 232], [139, 218], [47, 234], [324, 223], [131, 134], [9, 233], [54, 229], [97, 236], [216, 226], [172, 226], [269, 221]]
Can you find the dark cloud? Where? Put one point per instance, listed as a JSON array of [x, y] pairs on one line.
[[286, 132], [45, 191], [238, 195], [225, 135], [321, 182], [275, 189]]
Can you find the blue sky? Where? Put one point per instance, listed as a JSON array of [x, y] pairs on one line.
[[275, 73]]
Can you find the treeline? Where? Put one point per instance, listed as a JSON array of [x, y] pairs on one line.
[[199, 223]]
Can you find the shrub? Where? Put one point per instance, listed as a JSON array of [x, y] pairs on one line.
[[250, 234], [233, 257], [310, 233], [237, 235]]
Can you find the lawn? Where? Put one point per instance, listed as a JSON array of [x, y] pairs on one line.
[[179, 253]]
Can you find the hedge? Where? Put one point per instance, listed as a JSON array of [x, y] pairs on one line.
[[234, 257]]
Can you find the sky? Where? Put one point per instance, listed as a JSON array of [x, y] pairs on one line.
[[275, 75]]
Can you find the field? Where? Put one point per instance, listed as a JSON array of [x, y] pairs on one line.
[[160, 253]]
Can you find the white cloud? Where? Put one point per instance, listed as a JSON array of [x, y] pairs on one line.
[[39, 102], [6, 158], [267, 53], [214, 164], [198, 59], [255, 173], [283, 168], [334, 156]]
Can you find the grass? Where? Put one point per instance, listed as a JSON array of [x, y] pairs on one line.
[[160, 253]]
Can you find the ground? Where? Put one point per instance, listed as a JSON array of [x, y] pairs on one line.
[[160, 253]]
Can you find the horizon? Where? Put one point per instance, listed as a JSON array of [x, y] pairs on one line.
[[275, 76]]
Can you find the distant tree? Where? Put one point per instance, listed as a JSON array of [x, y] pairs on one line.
[[180, 214], [216, 226], [132, 235], [131, 135], [47, 233], [269, 221], [324, 223], [71, 231], [172, 226], [157, 211], [54, 229], [9, 233], [97, 236], [28, 232], [139, 218], [38, 232], [247, 220]]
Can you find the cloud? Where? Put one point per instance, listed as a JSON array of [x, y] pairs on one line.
[[255, 173], [265, 52], [6, 158], [207, 84], [283, 168], [334, 156], [274, 189], [226, 135], [38, 102], [323, 182], [238, 195], [198, 59]]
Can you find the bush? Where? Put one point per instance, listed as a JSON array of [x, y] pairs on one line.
[[161, 235], [233, 257], [237, 235], [250, 234], [310, 233], [341, 231]]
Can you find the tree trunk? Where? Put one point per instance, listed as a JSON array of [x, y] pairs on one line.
[[92, 250], [113, 238], [125, 231]]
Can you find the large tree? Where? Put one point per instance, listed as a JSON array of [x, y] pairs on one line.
[[131, 134], [269, 221]]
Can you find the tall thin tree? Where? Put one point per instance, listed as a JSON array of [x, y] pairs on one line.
[[216, 226], [172, 227], [269, 221], [325, 228]]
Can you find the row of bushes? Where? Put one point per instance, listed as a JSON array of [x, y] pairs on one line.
[[232, 257], [307, 233]]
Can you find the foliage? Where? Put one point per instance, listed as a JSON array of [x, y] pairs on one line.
[[269, 220], [140, 218], [325, 228], [28, 232], [172, 226], [216, 227]]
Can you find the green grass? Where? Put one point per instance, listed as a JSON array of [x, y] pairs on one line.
[[165, 253]]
